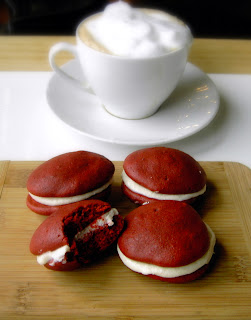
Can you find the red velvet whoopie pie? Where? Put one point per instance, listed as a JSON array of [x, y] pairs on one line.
[[161, 173], [166, 240], [77, 234], [69, 178]]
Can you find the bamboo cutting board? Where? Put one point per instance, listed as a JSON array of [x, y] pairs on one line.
[[109, 290]]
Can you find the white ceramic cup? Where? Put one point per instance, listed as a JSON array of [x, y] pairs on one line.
[[129, 88]]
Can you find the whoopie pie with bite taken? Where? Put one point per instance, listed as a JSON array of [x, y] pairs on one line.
[[76, 234]]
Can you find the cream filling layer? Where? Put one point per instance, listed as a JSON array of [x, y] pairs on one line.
[[58, 201], [102, 221], [54, 256], [137, 188], [170, 272], [58, 255]]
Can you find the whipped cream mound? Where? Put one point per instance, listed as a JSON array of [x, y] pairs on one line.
[[139, 33], [137, 188], [58, 201], [170, 272], [58, 255]]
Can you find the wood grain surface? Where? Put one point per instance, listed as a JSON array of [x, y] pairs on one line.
[[30, 53], [109, 290]]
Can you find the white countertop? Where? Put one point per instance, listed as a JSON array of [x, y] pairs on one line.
[[29, 132]]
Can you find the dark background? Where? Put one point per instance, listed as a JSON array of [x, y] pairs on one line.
[[207, 19]]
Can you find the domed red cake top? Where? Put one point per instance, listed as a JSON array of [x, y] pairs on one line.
[[165, 170], [164, 233], [70, 174]]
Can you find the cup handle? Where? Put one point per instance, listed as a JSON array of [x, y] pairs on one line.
[[54, 50]]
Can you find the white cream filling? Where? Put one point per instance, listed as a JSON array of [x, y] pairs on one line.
[[102, 221], [137, 188], [170, 272], [58, 255], [58, 201]]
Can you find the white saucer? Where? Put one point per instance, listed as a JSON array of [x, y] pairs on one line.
[[190, 108]]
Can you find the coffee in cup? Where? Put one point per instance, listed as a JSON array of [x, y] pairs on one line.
[[124, 31]]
